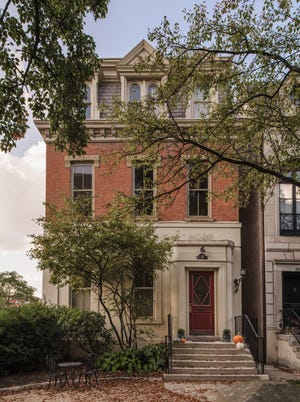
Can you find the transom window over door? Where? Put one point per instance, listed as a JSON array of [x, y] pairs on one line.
[[197, 192], [143, 189], [289, 206]]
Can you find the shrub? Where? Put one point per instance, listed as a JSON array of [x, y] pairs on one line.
[[30, 332], [148, 359], [27, 335], [86, 329]]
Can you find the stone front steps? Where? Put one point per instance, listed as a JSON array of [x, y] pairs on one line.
[[209, 360]]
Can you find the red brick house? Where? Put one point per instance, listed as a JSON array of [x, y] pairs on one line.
[[198, 290]]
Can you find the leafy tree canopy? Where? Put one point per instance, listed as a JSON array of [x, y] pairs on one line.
[[110, 253], [45, 60], [14, 288], [243, 60]]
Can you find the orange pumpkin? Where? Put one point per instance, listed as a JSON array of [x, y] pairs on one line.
[[182, 340], [238, 338]]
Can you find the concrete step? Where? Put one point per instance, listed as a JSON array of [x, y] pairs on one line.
[[210, 351], [213, 356], [215, 377], [211, 361], [214, 370], [204, 338], [205, 345], [216, 364]]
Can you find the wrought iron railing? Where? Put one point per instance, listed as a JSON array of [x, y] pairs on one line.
[[168, 343], [289, 224], [245, 327], [291, 319]]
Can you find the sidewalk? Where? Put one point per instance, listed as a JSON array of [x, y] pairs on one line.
[[283, 386]]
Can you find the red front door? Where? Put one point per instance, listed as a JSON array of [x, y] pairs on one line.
[[201, 303]]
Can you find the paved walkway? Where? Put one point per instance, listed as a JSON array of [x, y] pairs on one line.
[[277, 373], [283, 386]]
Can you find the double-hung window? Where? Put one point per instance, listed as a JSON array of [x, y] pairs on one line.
[[143, 295], [143, 189], [289, 208], [200, 103], [81, 298], [82, 183], [197, 192]]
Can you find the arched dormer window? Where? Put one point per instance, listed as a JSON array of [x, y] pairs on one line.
[[152, 94], [88, 102], [152, 90], [295, 95], [134, 93]]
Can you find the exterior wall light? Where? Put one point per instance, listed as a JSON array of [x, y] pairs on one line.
[[237, 282], [202, 255]]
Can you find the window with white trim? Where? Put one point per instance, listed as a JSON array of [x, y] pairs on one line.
[[143, 189], [139, 90], [134, 93], [289, 207], [87, 101], [295, 95], [81, 299], [197, 192], [200, 103], [143, 295], [82, 183]]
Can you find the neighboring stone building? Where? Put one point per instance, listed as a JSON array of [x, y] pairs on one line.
[[198, 290], [282, 264]]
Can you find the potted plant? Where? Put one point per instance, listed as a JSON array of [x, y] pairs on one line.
[[226, 335], [180, 333]]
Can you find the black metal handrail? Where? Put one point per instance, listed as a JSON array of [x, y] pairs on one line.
[[244, 326], [291, 319], [168, 343]]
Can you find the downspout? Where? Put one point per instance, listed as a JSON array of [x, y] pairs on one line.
[[264, 280]]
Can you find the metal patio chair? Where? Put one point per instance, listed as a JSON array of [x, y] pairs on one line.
[[55, 374], [90, 369]]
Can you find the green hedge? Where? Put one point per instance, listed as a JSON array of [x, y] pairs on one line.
[[150, 358], [30, 332]]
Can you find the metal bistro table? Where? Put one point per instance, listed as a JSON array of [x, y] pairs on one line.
[[70, 370]]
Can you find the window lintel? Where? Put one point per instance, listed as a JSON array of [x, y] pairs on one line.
[[84, 158]]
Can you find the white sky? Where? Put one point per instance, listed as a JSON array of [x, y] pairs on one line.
[[22, 172]]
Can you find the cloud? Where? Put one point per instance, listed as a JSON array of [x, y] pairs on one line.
[[22, 195]]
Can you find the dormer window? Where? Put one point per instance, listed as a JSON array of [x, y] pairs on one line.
[[152, 90], [87, 101], [134, 93], [295, 96], [200, 103]]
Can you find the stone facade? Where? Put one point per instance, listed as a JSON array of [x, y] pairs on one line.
[[282, 261]]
